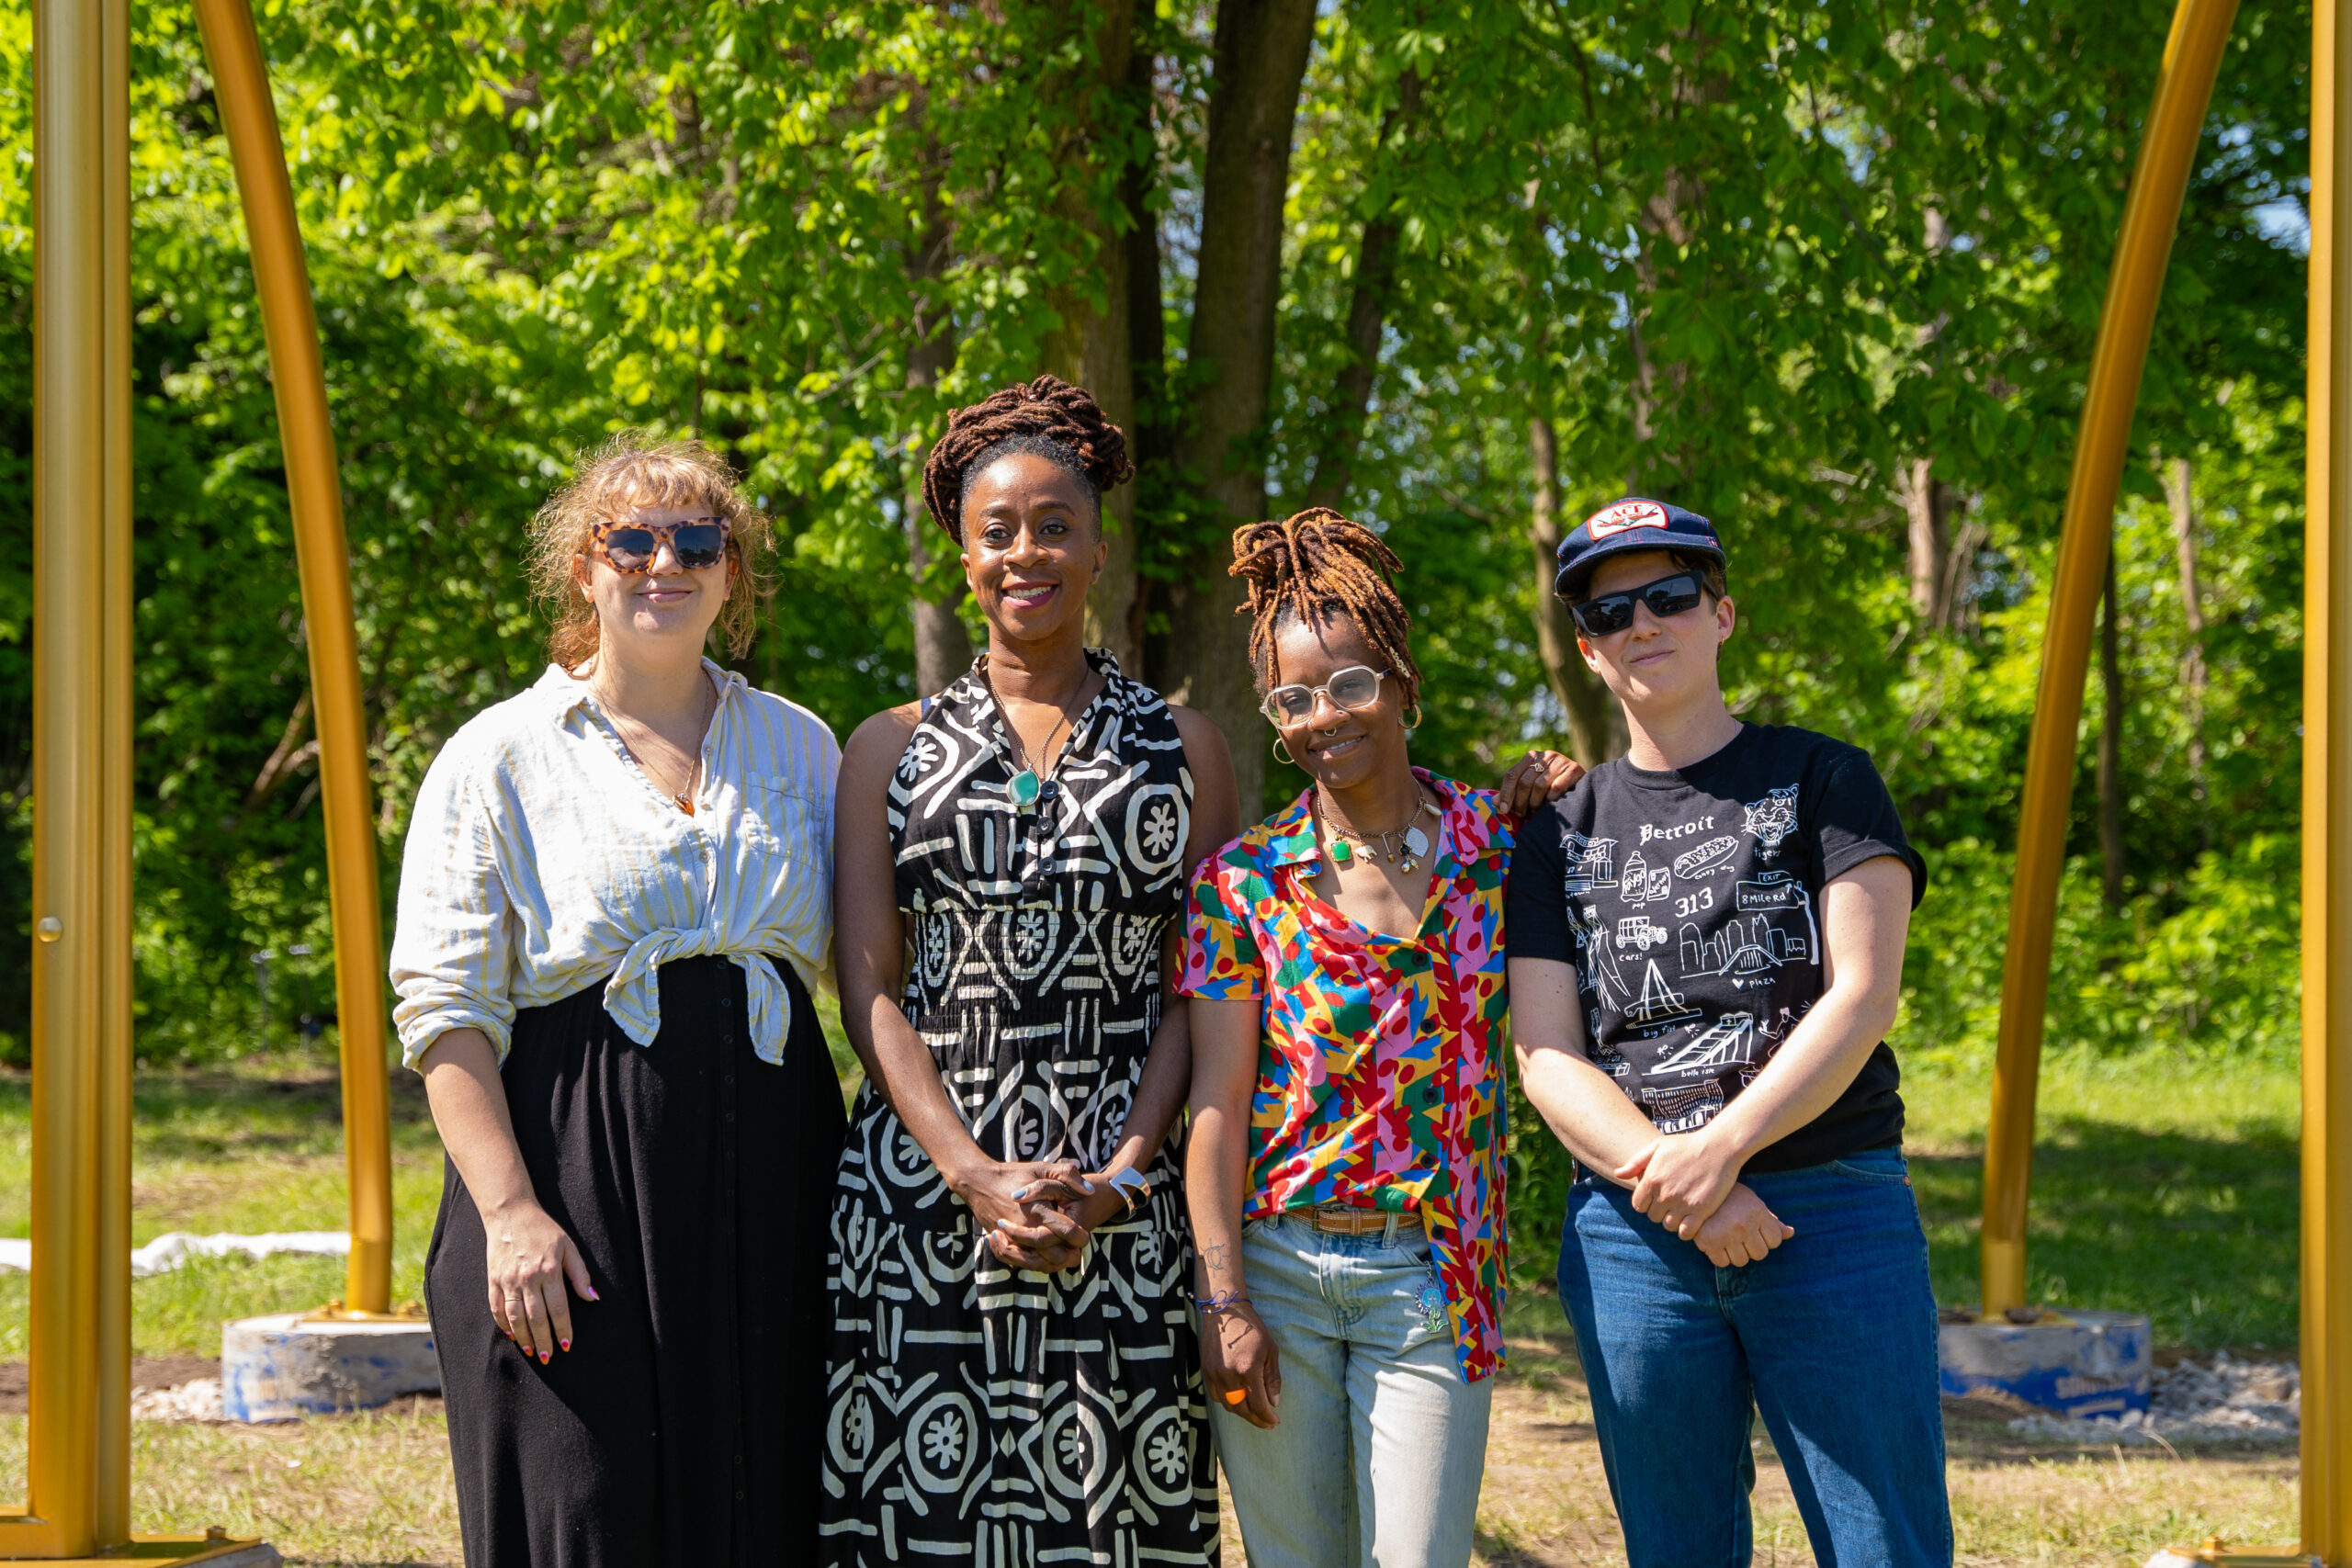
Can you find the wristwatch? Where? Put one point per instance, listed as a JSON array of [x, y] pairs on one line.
[[1129, 1184]]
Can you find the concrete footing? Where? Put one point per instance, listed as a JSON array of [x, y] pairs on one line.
[[289, 1365], [2076, 1364]]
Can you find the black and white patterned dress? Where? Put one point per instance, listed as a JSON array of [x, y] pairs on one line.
[[978, 1411]]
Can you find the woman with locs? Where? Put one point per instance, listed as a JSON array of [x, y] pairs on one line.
[[1014, 1378], [615, 892], [1344, 963]]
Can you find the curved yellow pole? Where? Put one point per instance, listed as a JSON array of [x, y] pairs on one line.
[[2192, 57], [241, 87]]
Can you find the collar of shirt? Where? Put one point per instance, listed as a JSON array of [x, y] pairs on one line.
[[1464, 834], [566, 693]]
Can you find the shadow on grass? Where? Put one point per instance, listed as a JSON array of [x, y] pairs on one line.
[[2198, 1232]]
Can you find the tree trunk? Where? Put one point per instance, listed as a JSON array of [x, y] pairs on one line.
[[1090, 347], [2110, 745], [1147, 438], [1367, 314], [1260, 59], [1930, 505], [943, 649], [1595, 725], [2179, 493]]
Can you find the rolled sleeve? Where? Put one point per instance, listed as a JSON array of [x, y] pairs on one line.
[[453, 945], [1221, 957]]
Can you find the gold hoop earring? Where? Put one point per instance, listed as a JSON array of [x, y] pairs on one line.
[[1280, 755], [1411, 720]]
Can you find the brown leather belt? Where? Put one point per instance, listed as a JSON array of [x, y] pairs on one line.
[[1344, 1219]]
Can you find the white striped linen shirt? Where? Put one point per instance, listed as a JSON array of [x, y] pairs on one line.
[[541, 859]]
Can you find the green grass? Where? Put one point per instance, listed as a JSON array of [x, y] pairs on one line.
[[2161, 1184], [249, 1146]]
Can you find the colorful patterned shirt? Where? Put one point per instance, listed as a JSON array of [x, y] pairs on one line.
[[1379, 1084]]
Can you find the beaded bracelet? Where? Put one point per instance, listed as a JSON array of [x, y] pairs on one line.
[[1223, 1301]]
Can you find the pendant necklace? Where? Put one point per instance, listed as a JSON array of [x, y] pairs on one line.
[[1402, 846], [683, 799], [1027, 786]]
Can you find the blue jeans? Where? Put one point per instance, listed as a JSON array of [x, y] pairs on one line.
[[1382, 1444], [1832, 1337]]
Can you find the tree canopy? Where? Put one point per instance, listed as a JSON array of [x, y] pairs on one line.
[[1826, 271]]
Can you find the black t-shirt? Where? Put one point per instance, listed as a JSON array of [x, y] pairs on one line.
[[1688, 902]]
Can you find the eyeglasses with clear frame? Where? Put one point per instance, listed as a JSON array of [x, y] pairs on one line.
[[1352, 690], [629, 548]]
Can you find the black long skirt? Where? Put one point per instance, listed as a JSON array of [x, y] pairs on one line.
[[684, 1425]]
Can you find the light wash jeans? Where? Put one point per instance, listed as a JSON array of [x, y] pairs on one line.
[[1831, 1338], [1381, 1444]]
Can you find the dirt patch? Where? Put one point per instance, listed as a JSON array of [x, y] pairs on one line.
[[146, 1372], [171, 1372]]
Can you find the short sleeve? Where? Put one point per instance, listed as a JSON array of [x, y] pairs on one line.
[[1535, 916], [1221, 958], [1859, 823], [452, 952]]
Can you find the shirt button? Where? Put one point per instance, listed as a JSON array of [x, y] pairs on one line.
[[726, 1040], [730, 1116]]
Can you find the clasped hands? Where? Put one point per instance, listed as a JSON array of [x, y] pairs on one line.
[[1039, 1215], [1688, 1184]]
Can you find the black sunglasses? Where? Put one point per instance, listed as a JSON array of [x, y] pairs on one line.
[[1614, 611]]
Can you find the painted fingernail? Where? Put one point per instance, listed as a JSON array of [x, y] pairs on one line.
[[1019, 1194], [565, 1343], [544, 1357], [1087, 1185], [1236, 1396], [591, 1294]]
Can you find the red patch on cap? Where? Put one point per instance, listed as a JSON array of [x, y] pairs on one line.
[[1624, 515]]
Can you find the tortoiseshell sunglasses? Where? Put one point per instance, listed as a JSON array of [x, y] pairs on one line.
[[698, 542]]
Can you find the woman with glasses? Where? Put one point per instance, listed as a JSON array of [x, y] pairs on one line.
[[1344, 963], [1014, 1377], [616, 895], [1706, 956]]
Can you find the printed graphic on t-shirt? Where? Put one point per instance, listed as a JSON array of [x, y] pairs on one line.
[[1688, 903], [1741, 932]]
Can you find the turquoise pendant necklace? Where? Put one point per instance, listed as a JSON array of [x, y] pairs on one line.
[[1026, 787]]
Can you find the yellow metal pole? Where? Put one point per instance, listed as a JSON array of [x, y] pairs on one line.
[[2192, 56], [69, 488], [2327, 816], [241, 87], [112, 1506]]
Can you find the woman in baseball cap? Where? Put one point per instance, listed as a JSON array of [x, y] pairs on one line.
[[1706, 953]]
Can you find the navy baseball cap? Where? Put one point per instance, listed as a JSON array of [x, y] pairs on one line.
[[1633, 524]]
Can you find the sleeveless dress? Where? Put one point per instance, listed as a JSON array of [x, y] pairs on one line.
[[978, 1411]]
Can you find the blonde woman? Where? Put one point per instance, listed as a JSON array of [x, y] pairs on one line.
[[615, 892]]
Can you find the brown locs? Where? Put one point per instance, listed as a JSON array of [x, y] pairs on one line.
[[1048, 409], [1314, 565]]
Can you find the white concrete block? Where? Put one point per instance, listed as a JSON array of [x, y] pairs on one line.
[[280, 1367]]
